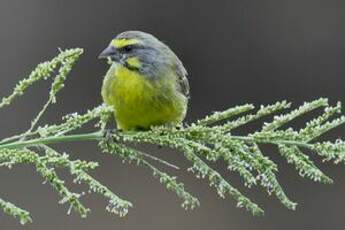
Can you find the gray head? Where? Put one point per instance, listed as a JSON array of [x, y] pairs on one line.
[[140, 51]]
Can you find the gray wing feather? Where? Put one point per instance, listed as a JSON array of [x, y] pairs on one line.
[[182, 79]]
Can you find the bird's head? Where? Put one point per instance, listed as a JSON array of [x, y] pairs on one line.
[[140, 51]]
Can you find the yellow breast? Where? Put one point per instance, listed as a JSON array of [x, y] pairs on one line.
[[140, 102]]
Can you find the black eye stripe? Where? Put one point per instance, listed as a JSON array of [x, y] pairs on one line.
[[129, 48]]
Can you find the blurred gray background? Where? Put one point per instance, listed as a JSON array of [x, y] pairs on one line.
[[235, 51]]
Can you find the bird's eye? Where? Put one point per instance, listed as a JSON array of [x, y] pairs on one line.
[[128, 48]]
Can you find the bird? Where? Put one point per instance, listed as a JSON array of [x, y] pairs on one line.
[[146, 83]]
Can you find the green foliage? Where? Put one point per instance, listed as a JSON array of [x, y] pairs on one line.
[[208, 140], [11, 209]]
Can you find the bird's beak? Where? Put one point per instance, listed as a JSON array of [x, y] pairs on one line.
[[110, 51]]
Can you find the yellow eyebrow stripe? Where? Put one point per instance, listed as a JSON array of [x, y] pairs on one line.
[[120, 43]]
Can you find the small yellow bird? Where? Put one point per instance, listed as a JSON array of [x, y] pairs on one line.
[[146, 83]]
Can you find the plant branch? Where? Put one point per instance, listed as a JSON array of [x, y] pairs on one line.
[[210, 139]]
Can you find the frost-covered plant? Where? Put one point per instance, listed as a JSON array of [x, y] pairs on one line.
[[207, 140]]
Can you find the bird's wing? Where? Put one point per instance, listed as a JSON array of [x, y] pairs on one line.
[[182, 79]]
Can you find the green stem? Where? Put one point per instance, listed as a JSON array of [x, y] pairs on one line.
[[99, 135], [95, 136], [274, 142]]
